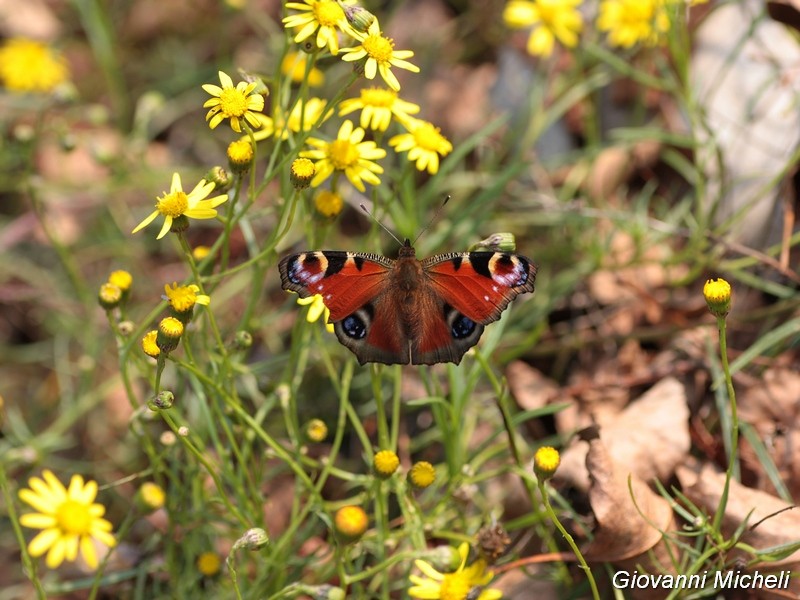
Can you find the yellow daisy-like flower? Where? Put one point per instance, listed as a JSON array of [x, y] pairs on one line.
[[385, 463], [316, 309], [316, 430], [465, 582], [346, 154], [234, 103], [629, 22], [150, 497], [377, 106], [322, 17], [424, 143], [69, 518], [182, 298], [422, 474], [294, 66], [31, 66], [717, 293], [178, 203], [549, 20], [109, 296], [545, 462], [328, 203], [122, 279], [350, 522], [380, 55], [303, 116], [209, 564], [301, 173], [149, 345]]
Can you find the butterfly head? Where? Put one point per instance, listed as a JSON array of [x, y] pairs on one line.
[[407, 250]]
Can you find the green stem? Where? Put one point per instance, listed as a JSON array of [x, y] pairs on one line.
[[723, 351], [581, 560]]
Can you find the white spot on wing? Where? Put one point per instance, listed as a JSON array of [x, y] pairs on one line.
[[486, 298]]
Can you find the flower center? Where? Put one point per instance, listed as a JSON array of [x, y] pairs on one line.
[[343, 154], [378, 97], [173, 204], [183, 298], [428, 137], [379, 47], [328, 14], [455, 586], [232, 102], [73, 517]]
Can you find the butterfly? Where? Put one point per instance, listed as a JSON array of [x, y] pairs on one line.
[[409, 311]]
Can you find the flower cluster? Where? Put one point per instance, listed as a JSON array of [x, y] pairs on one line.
[[626, 23]]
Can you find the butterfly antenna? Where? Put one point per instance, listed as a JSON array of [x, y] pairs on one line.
[[386, 229], [434, 218]]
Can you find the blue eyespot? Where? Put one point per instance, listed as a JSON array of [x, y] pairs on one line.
[[354, 327], [462, 327]]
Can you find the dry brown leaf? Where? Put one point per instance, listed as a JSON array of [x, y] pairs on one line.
[[650, 437], [532, 390], [769, 404], [630, 516]]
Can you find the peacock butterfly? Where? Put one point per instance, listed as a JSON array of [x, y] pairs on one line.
[[407, 310]]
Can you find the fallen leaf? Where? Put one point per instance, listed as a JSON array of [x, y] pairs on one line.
[[650, 437]]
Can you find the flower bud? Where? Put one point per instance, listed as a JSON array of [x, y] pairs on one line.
[[109, 296], [240, 156], [302, 172], [170, 331]]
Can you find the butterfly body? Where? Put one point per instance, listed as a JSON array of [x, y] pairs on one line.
[[406, 310]]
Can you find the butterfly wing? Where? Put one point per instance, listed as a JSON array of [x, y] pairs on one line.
[[472, 289], [354, 288]]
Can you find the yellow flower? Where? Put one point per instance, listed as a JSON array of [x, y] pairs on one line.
[[346, 154], [178, 203], [350, 522], [301, 173], [68, 517], [328, 203], [422, 474], [303, 117], [149, 345], [209, 564], [316, 430], [322, 17], [294, 65], [30, 66], [385, 463], [316, 310], [629, 22], [465, 582], [150, 497], [424, 143], [109, 296], [717, 293], [234, 103], [240, 155], [549, 20], [169, 334], [377, 106], [545, 462], [122, 279], [200, 252], [380, 54], [182, 298]]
